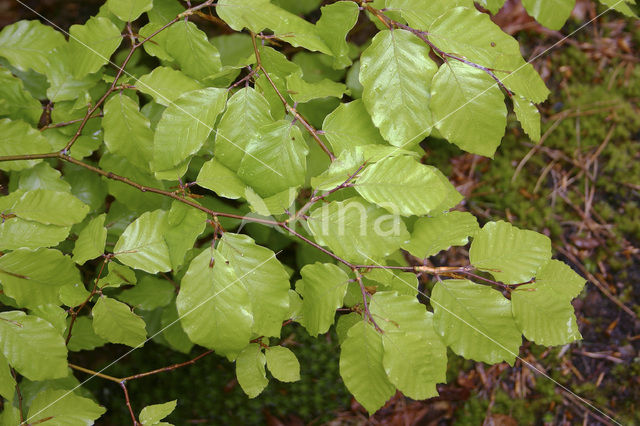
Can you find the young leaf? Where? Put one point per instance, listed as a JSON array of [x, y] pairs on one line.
[[550, 13], [184, 225], [250, 370], [190, 48], [361, 367], [115, 322], [53, 314], [166, 84], [92, 44], [475, 321], [27, 44], [303, 91], [275, 160], [221, 180], [405, 187], [420, 14], [543, 310], [15, 101], [50, 207], [118, 275], [336, 21], [7, 382], [19, 233], [396, 72], [283, 364], [528, 116], [18, 138], [33, 278], [32, 346], [66, 407], [468, 108], [357, 231], [324, 288], [213, 305], [83, 337], [152, 414], [142, 246], [42, 176], [349, 126], [264, 278], [250, 108], [189, 120], [127, 132], [432, 234], [510, 254], [129, 10], [148, 294]]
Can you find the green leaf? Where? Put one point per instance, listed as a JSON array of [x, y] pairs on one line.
[[264, 277], [190, 48], [129, 10], [18, 138], [27, 44], [345, 166], [142, 246], [550, 13], [357, 231], [395, 72], [32, 346], [475, 321], [17, 233], [324, 288], [432, 234], [173, 331], [402, 282], [15, 101], [50, 207], [7, 382], [250, 370], [83, 338], [303, 91], [148, 294], [189, 120], [510, 254], [472, 35], [92, 44], [33, 278], [91, 240], [250, 108], [115, 322], [166, 84], [361, 367], [333, 26], [185, 224], [273, 205], [73, 294], [127, 132], [468, 108], [283, 364], [275, 160], [118, 275], [263, 14], [42, 176], [213, 305], [492, 5], [221, 180], [53, 314], [349, 126], [420, 14], [414, 357], [403, 186], [152, 414], [65, 408], [344, 324], [528, 116], [622, 7], [543, 310]]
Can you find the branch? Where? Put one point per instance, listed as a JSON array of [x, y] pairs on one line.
[[123, 385], [290, 109], [364, 293]]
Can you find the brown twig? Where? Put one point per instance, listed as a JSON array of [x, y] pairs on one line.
[[123, 385], [19, 395], [365, 293]]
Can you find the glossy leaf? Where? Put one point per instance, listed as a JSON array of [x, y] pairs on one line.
[[361, 367], [510, 254], [406, 187], [92, 44], [115, 322], [166, 84], [129, 10], [91, 241], [152, 414], [357, 230], [550, 13], [528, 116], [27, 44], [18, 138], [264, 278], [185, 126], [282, 364], [349, 126], [333, 26], [15, 101], [42, 176], [221, 180], [184, 225], [190, 48], [303, 91], [420, 14], [32, 346], [396, 72], [7, 382], [475, 321], [33, 278], [142, 245], [50, 207], [250, 370], [324, 288], [148, 294], [543, 310], [432, 234], [83, 337], [66, 407], [213, 305]]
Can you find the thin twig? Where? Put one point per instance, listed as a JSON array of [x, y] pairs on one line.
[[365, 293], [19, 395], [123, 385]]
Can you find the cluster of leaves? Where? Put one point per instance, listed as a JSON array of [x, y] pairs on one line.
[[91, 188]]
